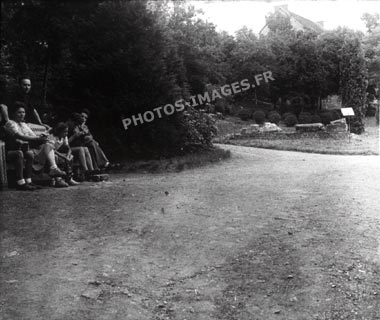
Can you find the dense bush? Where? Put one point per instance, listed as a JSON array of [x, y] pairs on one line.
[[327, 117], [259, 117], [245, 114], [315, 118], [286, 114], [274, 117], [119, 59], [265, 107], [199, 128], [337, 114], [291, 120], [354, 79], [304, 117], [220, 106], [371, 110]]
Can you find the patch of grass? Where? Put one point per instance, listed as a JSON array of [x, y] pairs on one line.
[[179, 163], [365, 144], [232, 125], [310, 145]]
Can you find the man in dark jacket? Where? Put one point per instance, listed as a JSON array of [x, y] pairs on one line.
[[23, 94]]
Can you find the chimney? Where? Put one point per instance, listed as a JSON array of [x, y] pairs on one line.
[[280, 8], [320, 23]]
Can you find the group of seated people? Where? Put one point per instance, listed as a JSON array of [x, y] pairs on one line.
[[54, 150]]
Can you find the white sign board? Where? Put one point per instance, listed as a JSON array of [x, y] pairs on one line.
[[347, 112]]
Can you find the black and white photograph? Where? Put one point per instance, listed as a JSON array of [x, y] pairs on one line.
[[189, 160]]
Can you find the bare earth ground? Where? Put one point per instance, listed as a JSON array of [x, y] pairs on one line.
[[265, 235]]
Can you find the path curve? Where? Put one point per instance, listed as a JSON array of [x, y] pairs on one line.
[[265, 235]]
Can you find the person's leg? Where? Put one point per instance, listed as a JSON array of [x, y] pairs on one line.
[[29, 157], [93, 155], [79, 153], [98, 157], [50, 157], [89, 162], [69, 170], [47, 155], [17, 158]]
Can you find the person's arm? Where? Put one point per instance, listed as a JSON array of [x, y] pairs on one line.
[[11, 128], [37, 117], [76, 134], [4, 112], [61, 155], [39, 139], [65, 146], [88, 138]]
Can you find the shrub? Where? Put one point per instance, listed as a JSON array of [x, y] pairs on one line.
[[244, 114], [220, 106], [286, 114], [371, 111], [315, 118], [327, 117], [274, 117], [259, 117], [291, 120], [266, 107], [198, 128], [337, 114], [304, 117]]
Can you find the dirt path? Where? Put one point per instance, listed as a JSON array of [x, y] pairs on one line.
[[265, 235]]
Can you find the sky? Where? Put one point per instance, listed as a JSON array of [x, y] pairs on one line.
[[232, 15]]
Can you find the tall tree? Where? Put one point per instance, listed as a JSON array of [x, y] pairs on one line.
[[353, 79], [372, 21]]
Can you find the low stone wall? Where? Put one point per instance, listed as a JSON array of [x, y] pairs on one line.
[[310, 127]]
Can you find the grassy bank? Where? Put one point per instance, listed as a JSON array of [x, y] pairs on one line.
[[352, 147], [176, 164], [365, 144]]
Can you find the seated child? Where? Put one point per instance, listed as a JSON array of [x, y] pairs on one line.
[[59, 142]]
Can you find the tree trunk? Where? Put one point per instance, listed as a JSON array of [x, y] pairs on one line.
[[45, 79]]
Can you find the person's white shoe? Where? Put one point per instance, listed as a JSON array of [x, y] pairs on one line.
[[61, 184], [55, 172], [72, 182]]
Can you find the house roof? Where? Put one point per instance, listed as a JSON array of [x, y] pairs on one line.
[[306, 23]]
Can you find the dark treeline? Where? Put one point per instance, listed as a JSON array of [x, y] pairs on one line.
[[119, 58]]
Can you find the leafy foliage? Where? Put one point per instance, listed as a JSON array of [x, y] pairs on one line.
[[315, 118], [245, 114], [259, 116], [353, 80], [274, 117], [326, 117], [118, 59], [290, 120], [122, 58], [304, 117]]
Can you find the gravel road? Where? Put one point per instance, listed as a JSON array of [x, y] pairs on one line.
[[265, 235]]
